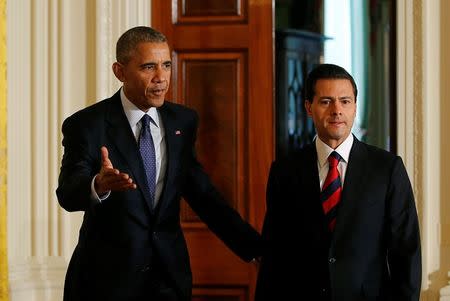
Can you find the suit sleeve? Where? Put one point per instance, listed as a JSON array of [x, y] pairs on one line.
[[404, 254], [76, 174], [268, 285], [213, 209]]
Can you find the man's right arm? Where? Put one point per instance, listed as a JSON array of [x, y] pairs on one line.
[[77, 168], [84, 181]]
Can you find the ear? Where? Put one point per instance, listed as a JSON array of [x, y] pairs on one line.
[[118, 71], [308, 108]]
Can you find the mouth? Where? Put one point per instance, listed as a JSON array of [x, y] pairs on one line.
[[336, 123], [157, 91]]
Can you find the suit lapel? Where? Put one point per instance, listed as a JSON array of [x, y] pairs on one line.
[[354, 177], [120, 134], [311, 185], [172, 137]]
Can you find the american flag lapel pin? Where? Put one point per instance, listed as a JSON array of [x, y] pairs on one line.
[[177, 132]]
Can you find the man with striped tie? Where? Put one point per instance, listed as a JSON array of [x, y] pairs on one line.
[[341, 222]]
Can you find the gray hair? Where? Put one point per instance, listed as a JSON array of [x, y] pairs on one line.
[[129, 40]]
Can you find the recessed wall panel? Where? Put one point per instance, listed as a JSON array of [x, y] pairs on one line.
[[212, 86], [210, 11]]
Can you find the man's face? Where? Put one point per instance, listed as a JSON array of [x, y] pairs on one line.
[[146, 76], [333, 110]]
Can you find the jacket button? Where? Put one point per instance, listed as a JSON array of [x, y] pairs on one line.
[[145, 269], [332, 260]]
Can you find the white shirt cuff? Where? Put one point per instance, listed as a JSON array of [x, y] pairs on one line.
[[95, 196]]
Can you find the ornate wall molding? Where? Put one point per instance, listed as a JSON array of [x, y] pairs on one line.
[[418, 81], [3, 157], [113, 18], [60, 60], [445, 148]]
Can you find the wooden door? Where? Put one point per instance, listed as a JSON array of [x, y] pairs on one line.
[[222, 52]]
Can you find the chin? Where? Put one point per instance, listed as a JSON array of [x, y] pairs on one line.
[[336, 136], [157, 103]]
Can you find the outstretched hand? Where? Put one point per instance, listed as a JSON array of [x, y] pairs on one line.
[[111, 179]]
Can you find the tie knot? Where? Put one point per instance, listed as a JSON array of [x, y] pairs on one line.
[[145, 121], [333, 159]]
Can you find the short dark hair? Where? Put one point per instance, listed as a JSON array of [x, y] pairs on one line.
[[326, 71], [129, 40]]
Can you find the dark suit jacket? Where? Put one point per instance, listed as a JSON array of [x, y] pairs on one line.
[[374, 252], [123, 238]]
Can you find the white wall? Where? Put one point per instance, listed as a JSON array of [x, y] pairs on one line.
[[59, 60]]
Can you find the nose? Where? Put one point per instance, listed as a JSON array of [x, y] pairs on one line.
[[160, 75], [336, 108]]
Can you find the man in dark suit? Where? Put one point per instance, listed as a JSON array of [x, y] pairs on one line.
[[341, 222], [127, 162]]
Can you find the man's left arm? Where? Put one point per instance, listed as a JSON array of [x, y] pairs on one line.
[[404, 255], [216, 213]]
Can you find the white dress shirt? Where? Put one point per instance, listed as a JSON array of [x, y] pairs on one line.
[[134, 116], [323, 151]]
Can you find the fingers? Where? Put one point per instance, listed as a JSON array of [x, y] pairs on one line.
[[113, 180], [105, 158], [121, 182], [117, 179]]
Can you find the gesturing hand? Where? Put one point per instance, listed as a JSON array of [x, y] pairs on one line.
[[111, 179]]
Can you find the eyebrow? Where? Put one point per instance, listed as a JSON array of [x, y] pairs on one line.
[[333, 98], [147, 64], [154, 64]]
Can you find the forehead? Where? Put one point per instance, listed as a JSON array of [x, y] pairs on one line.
[[152, 51], [334, 87]]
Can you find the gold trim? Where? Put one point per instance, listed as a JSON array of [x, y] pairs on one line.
[[3, 156]]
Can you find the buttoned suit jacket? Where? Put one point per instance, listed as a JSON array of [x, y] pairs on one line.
[[374, 251], [123, 237]]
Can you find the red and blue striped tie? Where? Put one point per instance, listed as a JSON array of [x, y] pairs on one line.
[[331, 191]]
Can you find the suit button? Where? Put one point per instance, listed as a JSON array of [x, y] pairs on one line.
[[332, 260], [145, 269]]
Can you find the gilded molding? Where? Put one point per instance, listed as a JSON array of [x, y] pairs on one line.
[[418, 107], [3, 157]]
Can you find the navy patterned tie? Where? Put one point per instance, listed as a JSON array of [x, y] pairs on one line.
[[147, 149], [331, 191]]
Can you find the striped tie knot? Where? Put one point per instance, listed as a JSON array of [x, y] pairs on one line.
[[331, 190], [333, 159]]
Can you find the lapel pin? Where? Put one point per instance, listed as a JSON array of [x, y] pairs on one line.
[[177, 132]]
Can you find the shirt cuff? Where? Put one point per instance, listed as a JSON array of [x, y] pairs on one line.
[[95, 196]]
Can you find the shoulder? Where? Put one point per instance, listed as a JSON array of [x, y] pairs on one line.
[[374, 152], [91, 116], [377, 158], [175, 108], [295, 161], [182, 114], [95, 110]]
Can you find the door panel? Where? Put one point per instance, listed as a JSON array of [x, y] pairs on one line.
[[212, 10], [222, 53], [213, 84]]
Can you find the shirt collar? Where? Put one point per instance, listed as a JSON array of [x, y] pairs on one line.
[[134, 114], [323, 150]]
